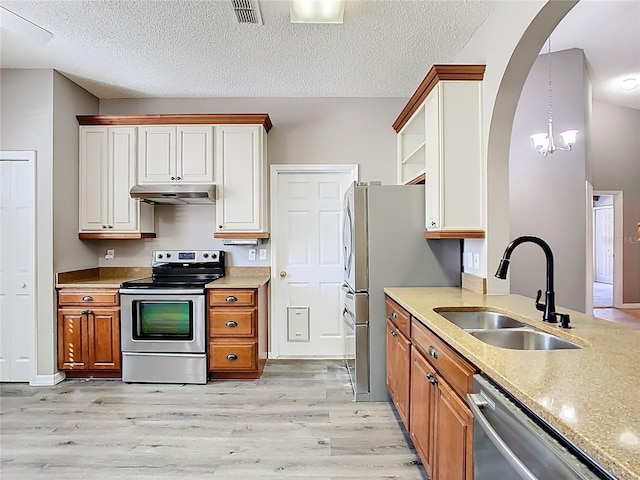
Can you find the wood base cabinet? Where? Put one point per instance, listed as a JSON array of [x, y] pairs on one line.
[[238, 323], [89, 333], [398, 359]]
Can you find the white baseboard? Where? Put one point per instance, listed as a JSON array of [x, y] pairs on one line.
[[48, 380], [630, 305]]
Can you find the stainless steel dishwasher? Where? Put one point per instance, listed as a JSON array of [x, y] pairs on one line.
[[511, 443]]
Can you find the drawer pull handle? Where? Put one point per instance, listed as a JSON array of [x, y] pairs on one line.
[[232, 356], [231, 324], [393, 333], [432, 380], [87, 298], [231, 298], [394, 314], [432, 352]]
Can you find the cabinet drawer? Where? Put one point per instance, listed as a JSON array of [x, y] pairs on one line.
[[232, 322], [105, 298], [399, 316], [233, 355], [451, 366], [228, 296]]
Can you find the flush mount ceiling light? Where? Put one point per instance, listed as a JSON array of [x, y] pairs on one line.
[[543, 142], [316, 11], [24, 28], [629, 83]]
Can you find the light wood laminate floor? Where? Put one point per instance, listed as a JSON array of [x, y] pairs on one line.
[[297, 421]]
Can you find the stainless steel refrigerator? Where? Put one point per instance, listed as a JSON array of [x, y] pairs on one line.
[[384, 246]]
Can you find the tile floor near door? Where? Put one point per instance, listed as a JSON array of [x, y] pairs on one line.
[[297, 421]]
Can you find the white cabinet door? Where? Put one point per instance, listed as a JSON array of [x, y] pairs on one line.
[[194, 160], [107, 173], [156, 154], [94, 178], [124, 214], [454, 167], [240, 164], [170, 154]]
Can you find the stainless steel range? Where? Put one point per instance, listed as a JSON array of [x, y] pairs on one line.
[[163, 318]]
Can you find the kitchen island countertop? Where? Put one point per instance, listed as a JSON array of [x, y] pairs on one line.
[[591, 395]]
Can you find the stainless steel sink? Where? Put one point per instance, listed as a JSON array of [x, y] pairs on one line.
[[524, 339], [480, 320]]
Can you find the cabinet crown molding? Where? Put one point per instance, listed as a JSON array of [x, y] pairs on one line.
[[179, 119], [436, 74]]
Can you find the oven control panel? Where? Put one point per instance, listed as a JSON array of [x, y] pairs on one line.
[[187, 256]]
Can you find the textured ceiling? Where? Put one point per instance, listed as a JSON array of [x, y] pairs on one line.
[[189, 48], [142, 48]]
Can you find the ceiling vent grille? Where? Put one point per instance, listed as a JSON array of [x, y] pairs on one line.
[[247, 11]]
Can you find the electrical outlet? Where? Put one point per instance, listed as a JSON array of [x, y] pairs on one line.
[[469, 260], [263, 254], [111, 254], [252, 254], [476, 260]]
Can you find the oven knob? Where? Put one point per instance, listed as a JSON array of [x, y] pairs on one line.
[[168, 255], [160, 255], [205, 255], [214, 256]]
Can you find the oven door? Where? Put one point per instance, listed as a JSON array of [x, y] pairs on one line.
[[163, 321]]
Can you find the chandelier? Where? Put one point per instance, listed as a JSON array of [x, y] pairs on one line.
[[543, 142]]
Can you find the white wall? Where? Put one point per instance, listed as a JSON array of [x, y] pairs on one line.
[[547, 194], [615, 165], [305, 131]]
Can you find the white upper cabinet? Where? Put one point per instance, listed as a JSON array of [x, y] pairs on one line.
[[241, 206], [454, 166], [440, 143], [411, 149], [175, 153], [107, 173]]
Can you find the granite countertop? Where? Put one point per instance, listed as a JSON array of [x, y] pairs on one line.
[[591, 395], [112, 277]]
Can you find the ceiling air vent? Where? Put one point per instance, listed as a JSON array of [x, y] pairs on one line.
[[247, 11]]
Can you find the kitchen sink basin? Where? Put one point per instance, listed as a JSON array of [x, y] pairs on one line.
[[523, 340], [480, 320]]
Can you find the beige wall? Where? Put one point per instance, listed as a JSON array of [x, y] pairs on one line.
[[305, 131], [547, 194], [615, 165]]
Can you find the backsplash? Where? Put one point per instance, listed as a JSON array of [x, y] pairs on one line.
[[178, 228]]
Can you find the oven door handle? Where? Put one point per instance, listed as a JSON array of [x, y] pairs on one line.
[[476, 404], [161, 291]]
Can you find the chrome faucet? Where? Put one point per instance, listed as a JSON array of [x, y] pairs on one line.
[[549, 306]]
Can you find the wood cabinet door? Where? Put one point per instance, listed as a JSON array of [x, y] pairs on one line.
[[454, 437], [194, 160], [156, 154], [104, 339], [398, 370], [424, 396], [241, 204], [73, 339]]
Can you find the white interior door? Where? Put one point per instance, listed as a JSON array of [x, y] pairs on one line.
[[603, 244], [17, 266], [308, 262]]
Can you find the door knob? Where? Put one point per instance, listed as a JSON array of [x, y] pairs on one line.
[[283, 274], [23, 285]]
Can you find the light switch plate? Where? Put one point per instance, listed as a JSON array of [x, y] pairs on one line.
[[469, 260], [252, 254], [476, 260], [263, 254]]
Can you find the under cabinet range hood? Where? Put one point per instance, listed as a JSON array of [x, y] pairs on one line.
[[178, 194]]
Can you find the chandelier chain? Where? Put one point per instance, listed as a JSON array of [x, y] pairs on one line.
[[550, 91]]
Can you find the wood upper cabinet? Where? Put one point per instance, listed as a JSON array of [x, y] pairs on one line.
[[107, 173], [440, 143], [241, 162], [238, 323], [175, 154], [89, 331]]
